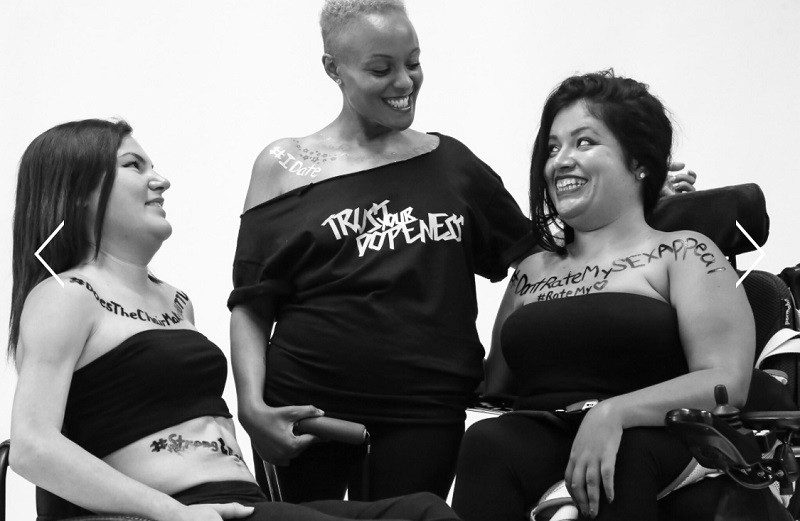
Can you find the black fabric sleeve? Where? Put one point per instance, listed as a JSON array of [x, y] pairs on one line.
[[261, 264], [249, 285], [508, 235]]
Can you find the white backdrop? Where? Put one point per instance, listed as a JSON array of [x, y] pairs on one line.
[[206, 85]]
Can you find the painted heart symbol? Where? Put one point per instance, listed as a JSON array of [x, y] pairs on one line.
[[600, 285]]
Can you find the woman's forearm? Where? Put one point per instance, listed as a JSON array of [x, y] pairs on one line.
[[48, 459], [647, 407], [249, 339]]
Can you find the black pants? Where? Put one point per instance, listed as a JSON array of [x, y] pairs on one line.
[[403, 460], [507, 463], [417, 507]]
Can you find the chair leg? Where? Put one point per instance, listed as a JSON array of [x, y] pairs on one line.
[[273, 483], [5, 447]]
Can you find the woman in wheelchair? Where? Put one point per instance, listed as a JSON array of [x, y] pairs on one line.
[[118, 405], [643, 321]]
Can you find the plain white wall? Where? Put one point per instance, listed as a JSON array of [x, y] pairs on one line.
[[206, 85]]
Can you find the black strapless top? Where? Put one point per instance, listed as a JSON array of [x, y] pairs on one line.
[[154, 379], [592, 346]]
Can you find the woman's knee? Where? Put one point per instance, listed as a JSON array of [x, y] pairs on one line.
[[650, 450], [424, 506], [481, 441]]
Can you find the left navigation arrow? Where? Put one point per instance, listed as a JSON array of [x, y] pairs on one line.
[[36, 254]]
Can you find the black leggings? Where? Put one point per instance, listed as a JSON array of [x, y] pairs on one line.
[[417, 507], [403, 460], [507, 463]]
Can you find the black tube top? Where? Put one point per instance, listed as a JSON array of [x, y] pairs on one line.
[[592, 346], [152, 380]]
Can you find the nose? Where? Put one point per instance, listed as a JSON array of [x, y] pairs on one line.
[[158, 183], [403, 82], [563, 160]]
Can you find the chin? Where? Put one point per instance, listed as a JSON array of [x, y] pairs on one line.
[[401, 120], [401, 128], [568, 212], [164, 232]]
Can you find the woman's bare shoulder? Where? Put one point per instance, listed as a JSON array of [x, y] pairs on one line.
[[58, 317], [539, 261], [267, 179], [422, 140]]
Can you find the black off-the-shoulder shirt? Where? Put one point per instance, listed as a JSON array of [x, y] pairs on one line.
[[373, 273]]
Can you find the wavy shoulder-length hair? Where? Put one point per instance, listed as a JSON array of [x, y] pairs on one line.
[[57, 174], [636, 118]]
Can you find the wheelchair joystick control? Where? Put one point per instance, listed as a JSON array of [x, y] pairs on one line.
[[725, 411]]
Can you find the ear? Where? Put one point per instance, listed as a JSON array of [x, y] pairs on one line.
[[636, 167], [330, 66]]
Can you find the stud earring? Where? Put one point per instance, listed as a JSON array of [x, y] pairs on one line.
[[338, 81], [642, 175]]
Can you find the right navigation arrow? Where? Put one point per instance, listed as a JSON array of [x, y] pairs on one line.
[[759, 250]]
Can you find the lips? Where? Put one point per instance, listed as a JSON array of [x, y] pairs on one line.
[[569, 184], [401, 103], [158, 202]]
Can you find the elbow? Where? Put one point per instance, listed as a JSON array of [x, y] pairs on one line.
[[23, 457], [738, 385], [30, 455]]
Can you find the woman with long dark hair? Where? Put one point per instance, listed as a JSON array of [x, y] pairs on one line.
[[119, 402], [613, 310]]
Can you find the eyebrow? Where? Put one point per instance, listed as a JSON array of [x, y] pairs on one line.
[[379, 55], [137, 156], [576, 131]]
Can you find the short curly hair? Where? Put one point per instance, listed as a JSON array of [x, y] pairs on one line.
[[337, 15], [636, 118]]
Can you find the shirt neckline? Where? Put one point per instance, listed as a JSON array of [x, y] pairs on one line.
[[301, 189]]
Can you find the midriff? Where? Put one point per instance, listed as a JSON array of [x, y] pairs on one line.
[[197, 451]]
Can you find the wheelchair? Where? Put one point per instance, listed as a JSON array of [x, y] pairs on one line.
[[742, 493], [742, 488]]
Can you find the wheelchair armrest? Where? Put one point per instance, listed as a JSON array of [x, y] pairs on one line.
[[772, 420], [713, 442], [492, 404]]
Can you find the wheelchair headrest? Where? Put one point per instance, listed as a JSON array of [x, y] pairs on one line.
[[714, 213]]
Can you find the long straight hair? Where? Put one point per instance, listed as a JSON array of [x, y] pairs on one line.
[[57, 174]]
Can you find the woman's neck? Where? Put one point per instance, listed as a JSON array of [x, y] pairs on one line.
[[627, 230], [349, 127], [131, 271]]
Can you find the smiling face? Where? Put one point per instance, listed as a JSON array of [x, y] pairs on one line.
[[136, 204], [377, 60], [587, 177]]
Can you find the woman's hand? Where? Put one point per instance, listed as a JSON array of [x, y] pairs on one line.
[[271, 430], [593, 458], [678, 182], [214, 512]]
